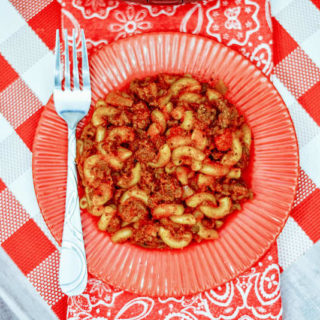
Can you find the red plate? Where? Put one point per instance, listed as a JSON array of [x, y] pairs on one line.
[[247, 235]]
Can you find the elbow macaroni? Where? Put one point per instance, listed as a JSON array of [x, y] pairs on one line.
[[107, 213], [89, 164], [167, 210], [234, 173], [122, 235], [177, 113], [206, 233], [188, 219], [185, 152], [163, 157], [179, 141], [187, 192], [217, 212], [246, 135], [191, 97], [100, 103], [103, 195], [214, 169], [172, 242], [205, 180], [101, 133], [158, 117], [161, 163], [233, 156], [182, 175], [133, 180], [198, 198], [188, 120], [135, 193], [190, 84], [101, 114], [124, 134], [199, 140], [124, 153]]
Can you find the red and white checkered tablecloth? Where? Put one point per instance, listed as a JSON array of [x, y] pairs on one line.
[[27, 35]]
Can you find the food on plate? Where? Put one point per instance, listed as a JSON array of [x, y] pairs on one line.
[[161, 162]]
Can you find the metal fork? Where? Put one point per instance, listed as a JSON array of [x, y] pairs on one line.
[[72, 105]]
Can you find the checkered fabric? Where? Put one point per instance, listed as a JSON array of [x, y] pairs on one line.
[[27, 36], [296, 75], [27, 29]]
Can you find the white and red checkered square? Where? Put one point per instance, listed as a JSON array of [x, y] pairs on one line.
[[297, 72], [45, 279], [305, 187], [292, 243], [9, 222], [6, 129], [22, 101], [293, 18], [30, 8]]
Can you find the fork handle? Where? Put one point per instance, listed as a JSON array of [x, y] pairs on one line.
[[73, 265]]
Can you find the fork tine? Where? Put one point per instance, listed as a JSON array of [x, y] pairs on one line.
[[75, 62], [66, 61], [85, 64], [57, 71]]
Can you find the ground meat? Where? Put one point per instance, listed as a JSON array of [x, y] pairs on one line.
[[205, 114], [88, 132], [244, 161], [218, 187], [238, 189], [102, 174], [208, 223], [140, 116], [143, 147], [221, 104], [176, 131], [224, 118], [169, 189], [109, 146], [236, 119], [145, 90], [229, 117], [146, 236], [193, 184], [133, 209], [145, 151], [223, 141], [158, 173], [204, 88], [177, 230], [165, 80], [88, 148], [147, 181], [140, 135], [216, 155], [114, 225], [213, 130], [122, 118]]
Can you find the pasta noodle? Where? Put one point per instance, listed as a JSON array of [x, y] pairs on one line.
[[161, 162]]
